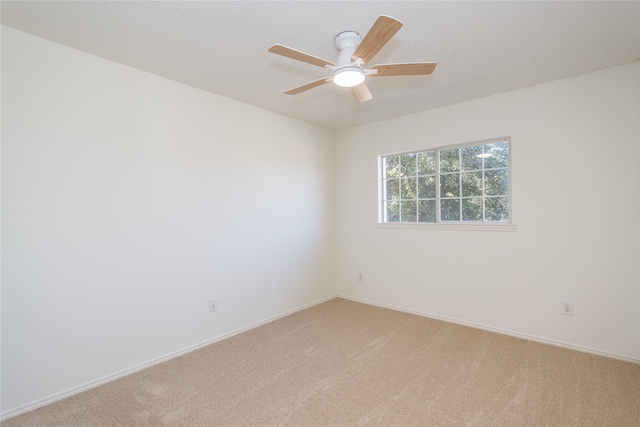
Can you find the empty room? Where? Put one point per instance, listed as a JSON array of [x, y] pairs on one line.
[[320, 213]]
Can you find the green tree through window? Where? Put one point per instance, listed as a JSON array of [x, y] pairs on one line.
[[468, 183]]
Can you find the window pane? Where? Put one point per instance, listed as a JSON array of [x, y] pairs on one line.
[[496, 182], [450, 185], [427, 211], [498, 155], [472, 209], [408, 211], [497, 209], [450, 210], [471, 184], [427, 163], [408, 188], [408, 165], [427, 187], [392, 211], [470, 159], [450, 160], [392, 167], [392, 189]]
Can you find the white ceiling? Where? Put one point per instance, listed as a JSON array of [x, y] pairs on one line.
[[482, 48]]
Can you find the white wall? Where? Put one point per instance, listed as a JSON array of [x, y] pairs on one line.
[[576, 205], [128, 201]]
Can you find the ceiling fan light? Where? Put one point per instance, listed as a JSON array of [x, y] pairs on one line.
[[348, 76]]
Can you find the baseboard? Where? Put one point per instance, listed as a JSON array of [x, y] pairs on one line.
[[496, 330], [88, 386]]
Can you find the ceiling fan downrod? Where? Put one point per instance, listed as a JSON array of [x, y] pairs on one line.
[[346, 42]]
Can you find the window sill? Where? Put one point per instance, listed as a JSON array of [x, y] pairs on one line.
[[447, 226]]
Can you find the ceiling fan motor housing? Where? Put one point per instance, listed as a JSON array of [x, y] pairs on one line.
[[346, 42]]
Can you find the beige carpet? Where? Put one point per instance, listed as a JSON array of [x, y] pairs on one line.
[[343, 363]]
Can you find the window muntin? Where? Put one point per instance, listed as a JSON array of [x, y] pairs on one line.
[[468, 183]]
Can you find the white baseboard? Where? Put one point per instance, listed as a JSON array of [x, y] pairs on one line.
[[496, 330], [76, 390]]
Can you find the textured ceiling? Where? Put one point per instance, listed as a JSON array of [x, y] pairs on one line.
[[482, 48]]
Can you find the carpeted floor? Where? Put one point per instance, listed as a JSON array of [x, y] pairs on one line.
[[342, 363]]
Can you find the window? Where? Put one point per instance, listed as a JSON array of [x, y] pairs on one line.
[[462, 184]]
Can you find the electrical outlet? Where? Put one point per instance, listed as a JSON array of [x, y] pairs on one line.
[[213, 305], [359, 277], [566, 308]]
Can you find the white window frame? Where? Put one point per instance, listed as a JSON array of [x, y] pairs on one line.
[[439, 224]]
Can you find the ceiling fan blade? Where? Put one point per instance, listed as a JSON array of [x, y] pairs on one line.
[[380, 33], [279, 49], [361, 92], [408, 69], [311, 85]]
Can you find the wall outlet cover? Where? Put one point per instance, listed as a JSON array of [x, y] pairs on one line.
[[566, 308]]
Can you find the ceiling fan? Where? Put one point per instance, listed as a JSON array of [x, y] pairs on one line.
[[355, 51]]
